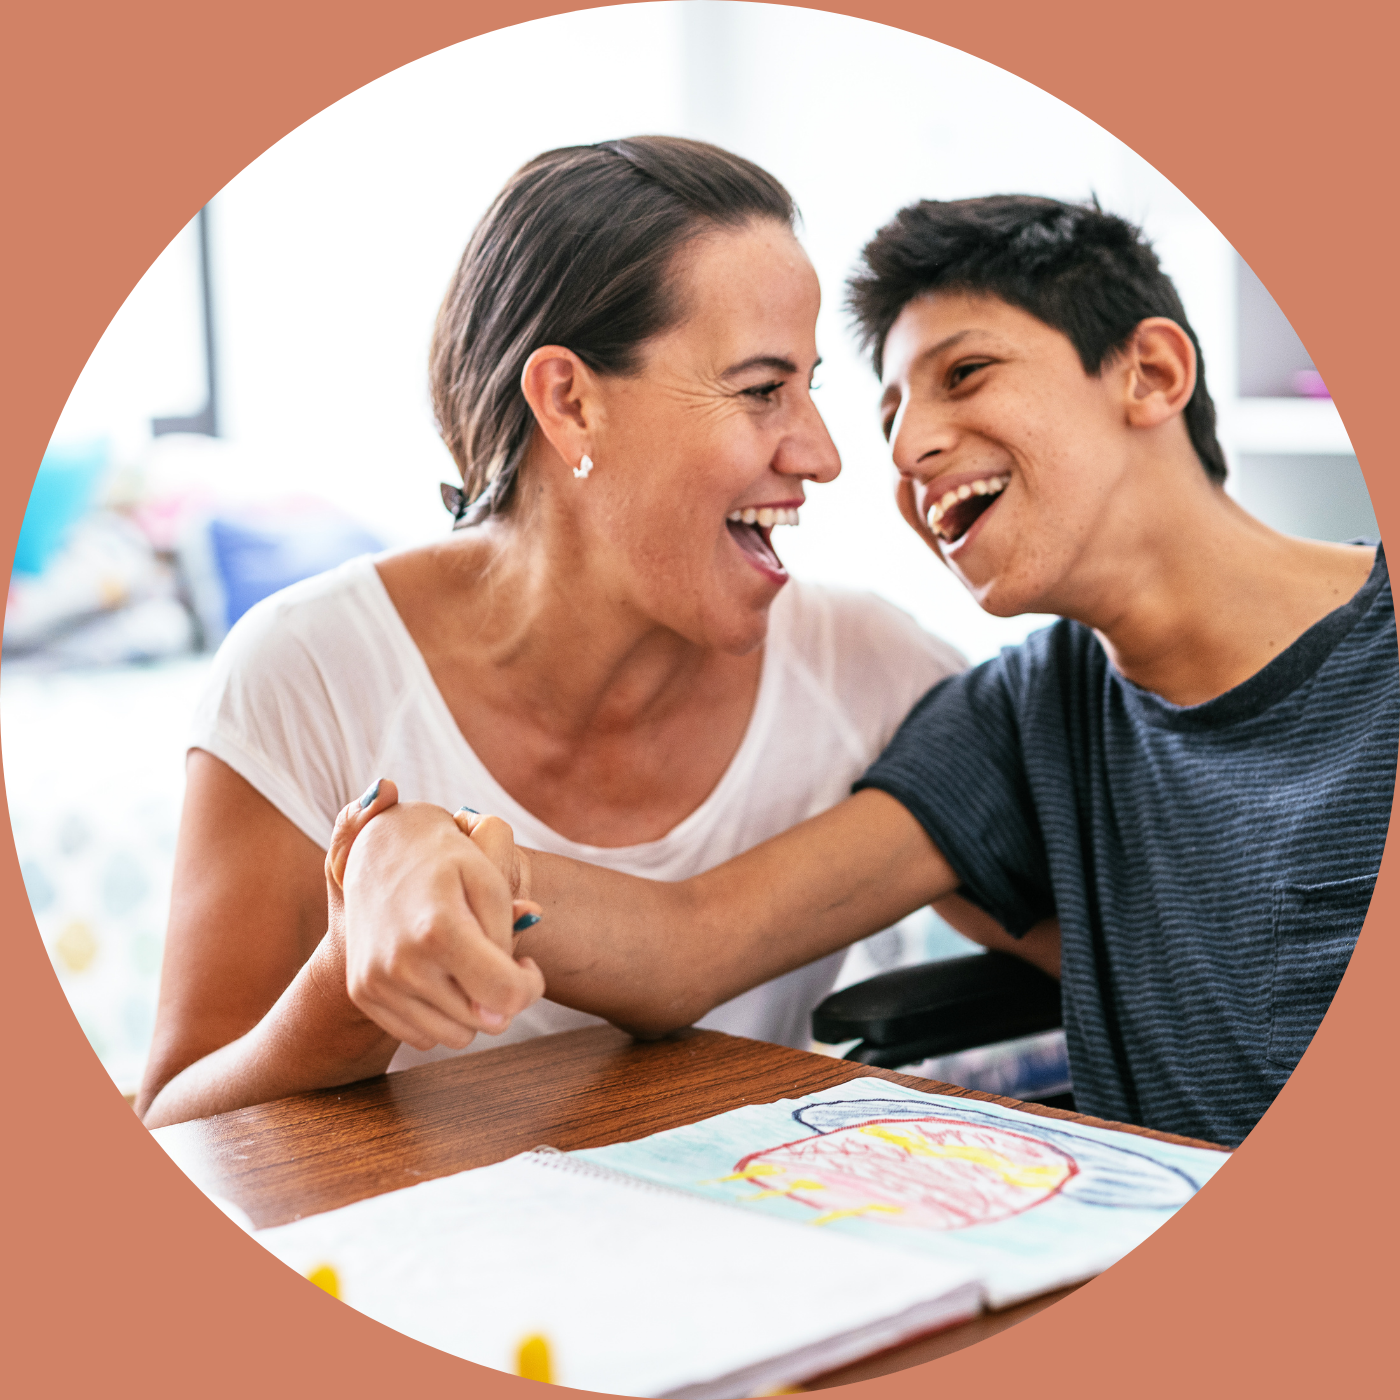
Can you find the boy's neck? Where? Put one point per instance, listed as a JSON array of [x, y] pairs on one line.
[[1196, 606]]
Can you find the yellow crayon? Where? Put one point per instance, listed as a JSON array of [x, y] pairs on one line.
[[532, 1360]]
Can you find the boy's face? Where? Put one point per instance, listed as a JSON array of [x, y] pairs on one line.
[[1012, 461]]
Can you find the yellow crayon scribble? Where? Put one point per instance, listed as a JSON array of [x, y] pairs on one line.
[[855, 1210], [801, 1184], [759, 1169], [325, 1279], [532, 1361], [1033, 1178]]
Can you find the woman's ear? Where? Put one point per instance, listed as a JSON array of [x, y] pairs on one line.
[[562, 393], [1161, 365]]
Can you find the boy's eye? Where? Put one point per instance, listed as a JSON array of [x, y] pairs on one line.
[[960, 372]]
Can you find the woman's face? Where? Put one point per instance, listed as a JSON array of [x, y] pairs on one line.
[[715, 433]]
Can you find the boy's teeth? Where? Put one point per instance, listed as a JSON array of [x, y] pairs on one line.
[[987, 486], [764, 516]]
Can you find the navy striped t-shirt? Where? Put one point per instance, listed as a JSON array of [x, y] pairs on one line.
[[1210, 865]]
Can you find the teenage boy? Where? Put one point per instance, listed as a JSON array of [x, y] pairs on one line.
[[1193, 770]]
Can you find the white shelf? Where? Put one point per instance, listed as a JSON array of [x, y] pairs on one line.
[[1282, 426]]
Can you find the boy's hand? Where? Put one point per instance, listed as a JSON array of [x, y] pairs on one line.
[[427, 918]]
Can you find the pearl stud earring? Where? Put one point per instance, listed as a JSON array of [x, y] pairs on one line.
[[584, 467]]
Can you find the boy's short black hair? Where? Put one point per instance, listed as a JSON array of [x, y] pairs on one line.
[[1089, 275]]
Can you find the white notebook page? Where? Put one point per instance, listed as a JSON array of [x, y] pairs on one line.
[[639, 1289]]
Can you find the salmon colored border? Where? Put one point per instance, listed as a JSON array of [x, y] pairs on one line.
[[121, 120]]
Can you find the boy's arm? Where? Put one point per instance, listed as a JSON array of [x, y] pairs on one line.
[[1039, 945], [652, 956]]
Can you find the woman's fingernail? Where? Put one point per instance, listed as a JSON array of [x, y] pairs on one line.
[[492, 1018], [370, 794], [525, 921], [472, 810]]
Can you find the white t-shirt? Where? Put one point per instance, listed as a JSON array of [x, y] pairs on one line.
[[320, 689]]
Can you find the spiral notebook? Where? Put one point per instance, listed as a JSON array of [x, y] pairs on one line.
[[638, 1288]]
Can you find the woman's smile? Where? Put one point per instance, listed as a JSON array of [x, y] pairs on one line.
[[751, 529]]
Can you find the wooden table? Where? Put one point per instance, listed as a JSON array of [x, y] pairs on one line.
[[316, 1151]]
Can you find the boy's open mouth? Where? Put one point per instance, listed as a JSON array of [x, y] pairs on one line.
[[752, 530], [955, 512]]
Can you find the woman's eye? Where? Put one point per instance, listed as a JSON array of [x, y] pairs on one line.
[[763, 391]]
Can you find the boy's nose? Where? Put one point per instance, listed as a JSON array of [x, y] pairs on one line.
[[920, 442]]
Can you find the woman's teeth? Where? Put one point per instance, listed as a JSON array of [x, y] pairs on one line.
[[768, 515], [987, 486]]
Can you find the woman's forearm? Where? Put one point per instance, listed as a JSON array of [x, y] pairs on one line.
[[313, 1037]]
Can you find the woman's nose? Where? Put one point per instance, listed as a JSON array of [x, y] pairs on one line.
[[808, 451]]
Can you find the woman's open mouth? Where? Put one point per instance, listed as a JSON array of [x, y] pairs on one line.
[[752, 530], [955, 512]]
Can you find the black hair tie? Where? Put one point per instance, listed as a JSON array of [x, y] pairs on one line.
[[455, 499]]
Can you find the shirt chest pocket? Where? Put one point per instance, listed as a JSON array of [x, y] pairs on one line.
[[1315, 930]]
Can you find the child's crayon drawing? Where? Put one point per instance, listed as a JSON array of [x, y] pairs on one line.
[[1029, 1202], [894, 1162]]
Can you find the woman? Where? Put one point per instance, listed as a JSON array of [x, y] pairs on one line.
[[610, 656]]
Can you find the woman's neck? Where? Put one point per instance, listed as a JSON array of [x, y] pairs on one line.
[[544, 632], [607, 726]]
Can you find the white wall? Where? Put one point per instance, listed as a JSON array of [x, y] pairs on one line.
[[333, 248]]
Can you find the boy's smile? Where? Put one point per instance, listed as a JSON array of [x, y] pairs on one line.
[[1009, 454], [963, 503]]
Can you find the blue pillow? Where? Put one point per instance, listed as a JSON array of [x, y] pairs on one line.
[[240, 555]]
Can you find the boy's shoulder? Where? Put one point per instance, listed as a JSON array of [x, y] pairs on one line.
[[1053, 661]]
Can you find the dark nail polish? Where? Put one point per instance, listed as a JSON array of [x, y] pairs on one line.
[[526, 921], [472, 810], [370, 795]]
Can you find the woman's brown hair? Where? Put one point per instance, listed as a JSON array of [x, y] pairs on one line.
[[577, 250]]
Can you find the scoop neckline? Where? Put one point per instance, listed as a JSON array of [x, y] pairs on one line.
[[501, 803]]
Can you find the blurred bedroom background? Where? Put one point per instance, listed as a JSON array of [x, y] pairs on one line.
[[257, 410]]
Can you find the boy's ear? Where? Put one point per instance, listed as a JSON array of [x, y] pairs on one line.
[[1161, 372]]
